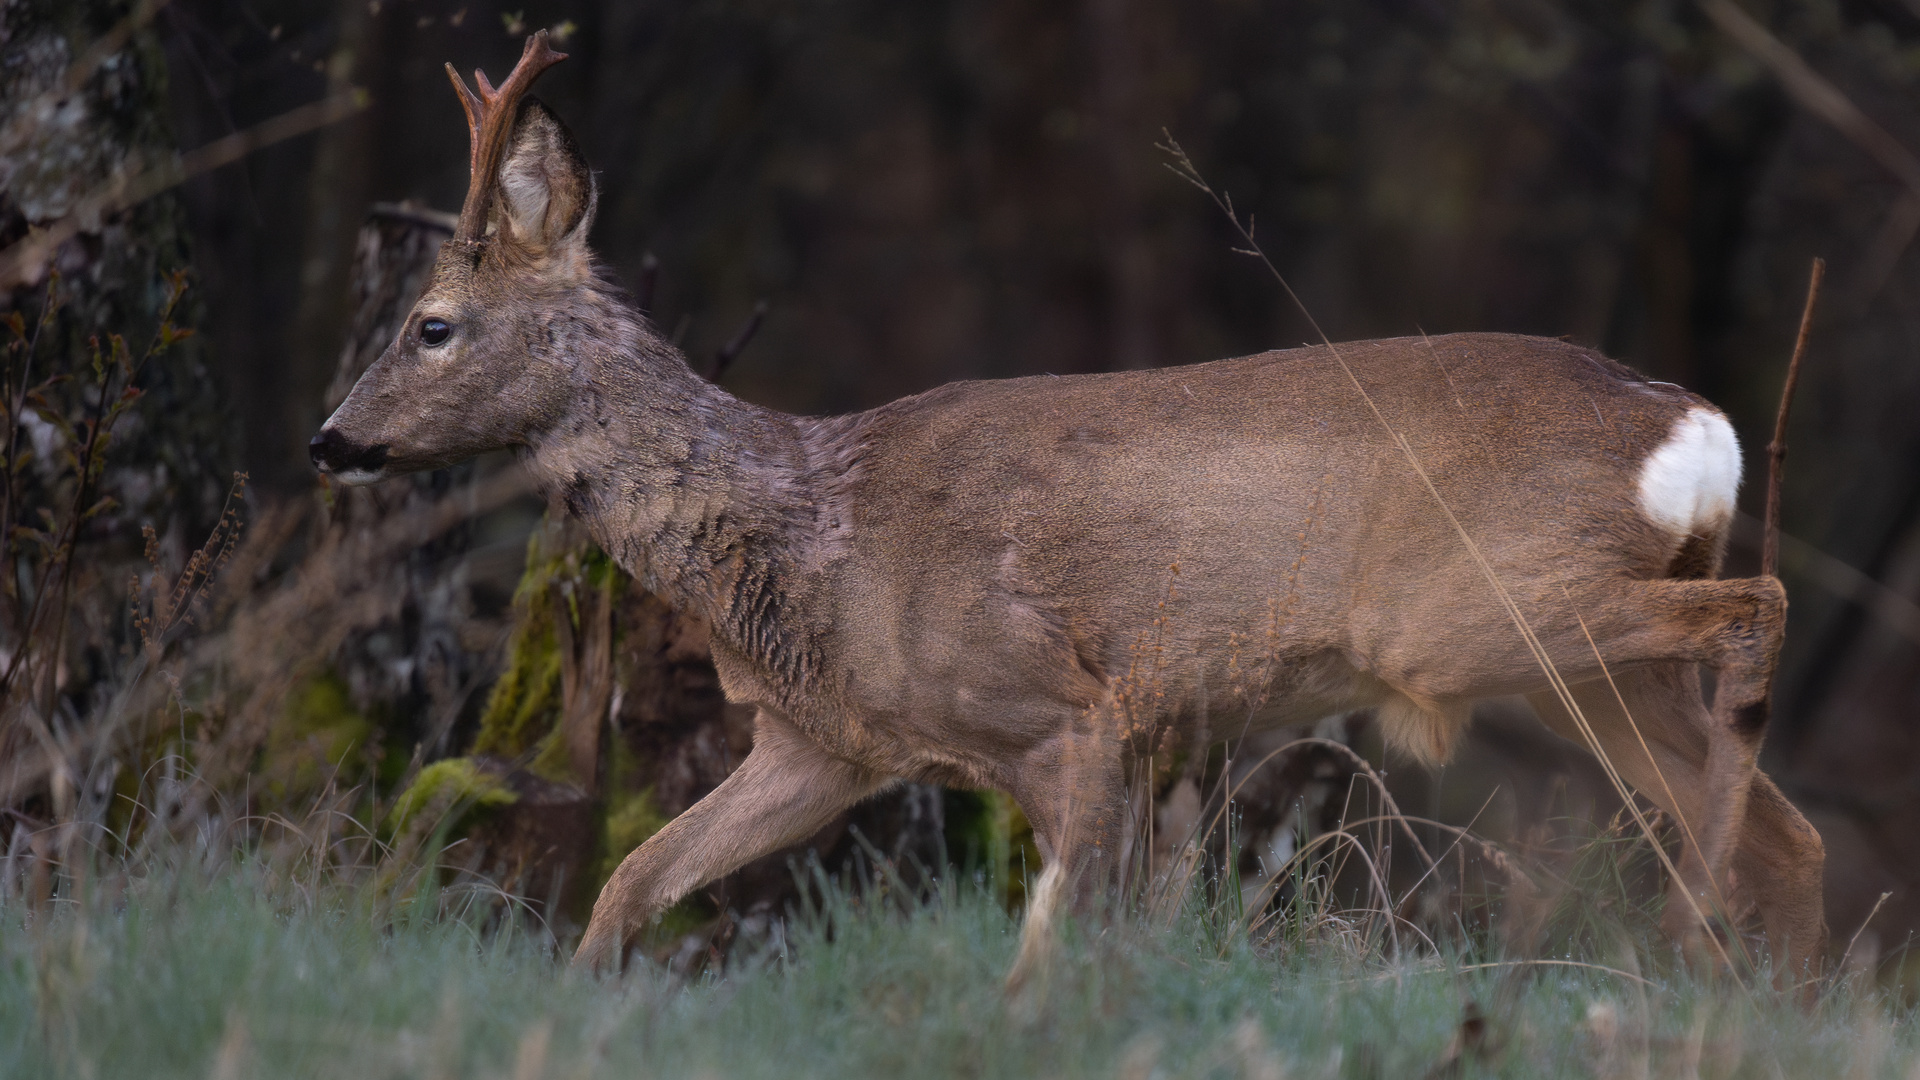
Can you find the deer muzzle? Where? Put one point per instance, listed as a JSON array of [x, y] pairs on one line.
[[353, 463]]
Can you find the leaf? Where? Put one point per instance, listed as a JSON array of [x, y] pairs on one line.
[[57, 421], [101, 507], [97, 466], [18, 324]]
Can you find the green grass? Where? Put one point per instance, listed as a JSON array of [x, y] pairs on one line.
[[241, 974]]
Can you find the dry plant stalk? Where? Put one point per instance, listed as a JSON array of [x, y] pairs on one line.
[[1777, 449]]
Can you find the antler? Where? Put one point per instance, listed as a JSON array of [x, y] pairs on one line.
[[490, 117]]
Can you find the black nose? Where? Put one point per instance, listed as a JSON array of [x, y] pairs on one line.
[[332, 452], [320, 448]]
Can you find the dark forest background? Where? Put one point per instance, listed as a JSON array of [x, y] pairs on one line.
[[949, 189]]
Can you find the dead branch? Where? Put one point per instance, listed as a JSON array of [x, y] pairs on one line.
[[1814, 92], [1819, 96], [724, 358], [26, 259], [1777, 449]]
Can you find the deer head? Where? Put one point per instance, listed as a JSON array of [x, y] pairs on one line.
[[464, 376]]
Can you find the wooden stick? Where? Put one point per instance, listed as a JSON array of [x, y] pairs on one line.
[[1777, 449], [723, 359]]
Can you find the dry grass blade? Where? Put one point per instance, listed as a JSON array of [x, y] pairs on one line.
[[1183, 167], [1495, 965], [1842, 968], [1167, 894]]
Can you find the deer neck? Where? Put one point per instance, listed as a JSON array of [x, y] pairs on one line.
[[699, 495]]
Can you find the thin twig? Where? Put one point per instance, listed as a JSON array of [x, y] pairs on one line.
[[1819, 96], [1815, 93], [23, 261], [728, 353], [437, 220], [16, 403], [1777, 449]]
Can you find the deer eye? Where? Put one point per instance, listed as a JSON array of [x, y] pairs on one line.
[[434, 331]]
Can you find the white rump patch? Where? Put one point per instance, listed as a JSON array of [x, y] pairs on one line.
[[1687, 485]]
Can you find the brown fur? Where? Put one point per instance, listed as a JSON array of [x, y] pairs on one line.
[[1007, 584]]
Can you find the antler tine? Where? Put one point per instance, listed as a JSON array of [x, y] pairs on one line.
[[490, 115], [471, 105]]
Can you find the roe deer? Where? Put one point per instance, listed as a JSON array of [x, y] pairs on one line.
[[950, 588]]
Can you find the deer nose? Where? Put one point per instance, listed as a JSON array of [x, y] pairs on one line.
[[332, 452], [321, 448]]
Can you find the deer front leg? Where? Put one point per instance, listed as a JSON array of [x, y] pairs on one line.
[[786, 790], [1073, 792]]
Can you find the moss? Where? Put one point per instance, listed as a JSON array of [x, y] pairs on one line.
[[454, 786], [552, 761], [630, 820], [683, 918], [989, 836], [320, 736], [524, 706]]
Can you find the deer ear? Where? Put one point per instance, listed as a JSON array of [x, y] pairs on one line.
[[546, 190]]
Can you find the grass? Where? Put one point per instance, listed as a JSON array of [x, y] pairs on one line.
[[250, 970]]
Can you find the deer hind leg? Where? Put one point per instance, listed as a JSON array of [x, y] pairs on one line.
[[1736, 627], [1781, 864], [1658, 743], [785, 791]]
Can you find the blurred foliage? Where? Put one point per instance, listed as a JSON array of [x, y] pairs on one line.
[[321, 739]]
